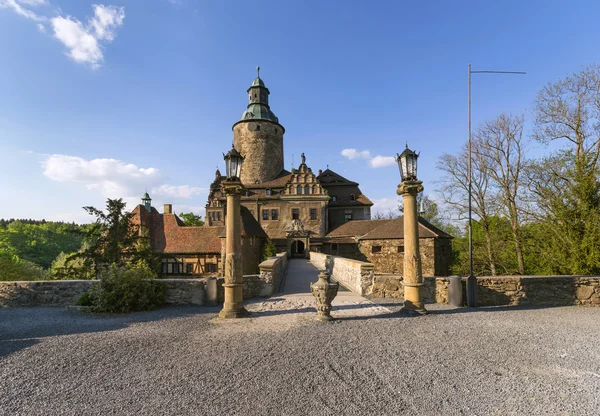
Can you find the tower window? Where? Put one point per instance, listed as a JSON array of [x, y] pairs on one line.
[[295, 213]]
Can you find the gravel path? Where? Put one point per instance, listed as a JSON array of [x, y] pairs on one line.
[[182, 361]]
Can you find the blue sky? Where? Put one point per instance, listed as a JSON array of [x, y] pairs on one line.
[[108, 99]]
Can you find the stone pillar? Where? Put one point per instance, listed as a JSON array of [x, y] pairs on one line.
[[413, 274], [233, 306]]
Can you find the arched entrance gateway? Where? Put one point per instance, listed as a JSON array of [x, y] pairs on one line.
[[298, 240], [297, 249]]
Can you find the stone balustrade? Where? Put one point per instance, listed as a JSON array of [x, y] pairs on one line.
[[272, 271], [355, 275], [504, 290]]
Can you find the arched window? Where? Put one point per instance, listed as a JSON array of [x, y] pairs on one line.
[[307, 189], [299, 189]]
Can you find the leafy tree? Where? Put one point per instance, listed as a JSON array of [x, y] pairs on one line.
[[191, 219], [112, 239]]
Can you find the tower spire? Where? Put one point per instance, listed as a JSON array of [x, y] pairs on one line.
[[258, 72]]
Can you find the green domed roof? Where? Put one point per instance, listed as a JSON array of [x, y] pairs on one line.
[[258, 83], [259, 112]]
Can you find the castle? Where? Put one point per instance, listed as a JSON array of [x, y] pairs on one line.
[[300, 211], [296, 209]]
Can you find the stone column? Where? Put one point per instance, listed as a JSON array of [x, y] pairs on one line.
[[233, 306], [413, 274]]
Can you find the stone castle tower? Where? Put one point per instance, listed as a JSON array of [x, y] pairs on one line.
[[258, 136]]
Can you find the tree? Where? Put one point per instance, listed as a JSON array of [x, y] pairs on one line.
[[191, 219], [454, 190], [270, 249], [112, 239], [502, 146], [566, 184], [14, 268]]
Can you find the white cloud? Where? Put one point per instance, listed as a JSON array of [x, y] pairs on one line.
[[355, 154], [82, 41], [17, 7], [111, 177], [181, 191], [382, 161], [385, 206]]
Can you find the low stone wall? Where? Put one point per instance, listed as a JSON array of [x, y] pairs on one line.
[[504, 290], [66, 292], [355, 275], [272, 272]]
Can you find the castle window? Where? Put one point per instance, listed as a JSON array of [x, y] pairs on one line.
[[313, 213], [307, 189], [400, 249], [376, 249], [333, 199], [164, 268], [189, 268], [295, 213], [347, 215], [265, 214], [274, 214], [211, 268], [352, 198], [269, 192], [334, 247], [299, 189]]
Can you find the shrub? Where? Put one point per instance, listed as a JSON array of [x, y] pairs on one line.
[[270, 249], [87, 299], [126, 289], [14, 268]]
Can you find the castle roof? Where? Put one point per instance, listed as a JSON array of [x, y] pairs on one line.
[[169, 235], [389, 229], [345, 191]]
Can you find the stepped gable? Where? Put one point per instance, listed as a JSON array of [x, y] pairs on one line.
[[343, 189]]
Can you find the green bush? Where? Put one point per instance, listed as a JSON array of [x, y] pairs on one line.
[[269, 250], [14, 268], [126, 289], [87, 299]]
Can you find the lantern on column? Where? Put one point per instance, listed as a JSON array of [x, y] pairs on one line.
[[233, 164], [407, 163]]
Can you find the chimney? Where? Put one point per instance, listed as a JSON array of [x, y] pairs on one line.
[[168, 209]]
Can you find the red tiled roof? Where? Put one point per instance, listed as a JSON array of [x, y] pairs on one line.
[[169, 235], [356, 228]]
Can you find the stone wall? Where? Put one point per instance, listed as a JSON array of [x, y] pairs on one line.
[[435, 254], [355, 275], [272, 272], [261, 144], [43, 293], [504, 290]]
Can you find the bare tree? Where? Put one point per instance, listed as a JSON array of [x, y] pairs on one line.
[[502, 147], [454, 190]]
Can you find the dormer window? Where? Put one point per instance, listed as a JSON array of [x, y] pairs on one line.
[[299, 189], [333, 199], [307, 189], [269, 192], [352, 198]]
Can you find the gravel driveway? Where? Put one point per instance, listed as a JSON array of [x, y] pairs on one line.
[[182, 361]]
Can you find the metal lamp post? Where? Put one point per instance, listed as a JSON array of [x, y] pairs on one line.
[[413, 274], [471, 279], [233, 306]]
